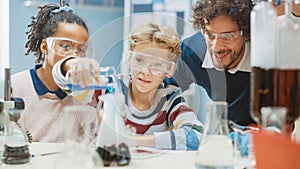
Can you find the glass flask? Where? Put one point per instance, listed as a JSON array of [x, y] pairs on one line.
[[273, 118], [15, 149], [13, 139], [112, 144], [78, 135], [216, 150], [104, 82]]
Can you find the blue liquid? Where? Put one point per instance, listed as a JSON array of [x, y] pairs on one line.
[[74, 87]]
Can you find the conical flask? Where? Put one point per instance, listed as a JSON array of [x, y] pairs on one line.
[[112, 128], [112, 144], [216, 150], [15, 150]]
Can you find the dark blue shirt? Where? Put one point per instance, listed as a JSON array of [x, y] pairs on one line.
[[40, 87], [220, 85]]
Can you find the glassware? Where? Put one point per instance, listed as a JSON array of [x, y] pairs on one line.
[[273, 118], [112, 144], [216, 121], [104, 83], [243, 144], [288, 64], [275, 62], [78, 136], [15, 150], [216, 150], [263, 29], [13, 141]]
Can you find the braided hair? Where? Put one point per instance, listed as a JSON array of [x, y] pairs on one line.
[[45, 25]]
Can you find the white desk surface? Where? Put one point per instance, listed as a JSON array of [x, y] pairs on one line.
[[156, 160]]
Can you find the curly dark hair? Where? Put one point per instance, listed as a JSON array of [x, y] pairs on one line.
[[239, 11], [45, 25]]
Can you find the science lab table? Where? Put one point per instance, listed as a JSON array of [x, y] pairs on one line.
[[46, 157]]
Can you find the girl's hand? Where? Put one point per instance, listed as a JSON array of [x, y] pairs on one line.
[[85, 71]]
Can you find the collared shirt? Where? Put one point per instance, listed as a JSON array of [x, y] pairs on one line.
[[44, 110], [243, 66], [40, 87]]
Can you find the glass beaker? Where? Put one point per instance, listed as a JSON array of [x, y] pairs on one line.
[[78, 135], [216, 119], [216, 150], [112, 143], [273, 118], [104, 82]]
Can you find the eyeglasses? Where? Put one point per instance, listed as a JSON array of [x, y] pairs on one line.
[[120, 154], [155, 64], [227, 37], [66, 47]]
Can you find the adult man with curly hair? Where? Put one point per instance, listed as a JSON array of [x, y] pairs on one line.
[[219, 61]]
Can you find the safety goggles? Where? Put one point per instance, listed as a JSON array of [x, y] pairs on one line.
[[66, 47], [145, 62], [227, 37]]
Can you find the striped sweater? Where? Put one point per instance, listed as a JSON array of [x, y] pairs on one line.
[[169, 119], [174, 125]]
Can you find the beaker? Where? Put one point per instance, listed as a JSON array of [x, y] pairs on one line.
[[216, 150], [79, 133], [273, 118]]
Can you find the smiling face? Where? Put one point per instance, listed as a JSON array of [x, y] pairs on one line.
[[225, 53], [144, 81]]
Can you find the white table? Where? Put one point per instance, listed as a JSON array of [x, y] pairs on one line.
[[156, 159]]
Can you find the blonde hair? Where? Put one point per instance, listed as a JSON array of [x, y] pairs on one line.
[[163, 36]]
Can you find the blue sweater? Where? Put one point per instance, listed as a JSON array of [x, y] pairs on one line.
[[219, 85]]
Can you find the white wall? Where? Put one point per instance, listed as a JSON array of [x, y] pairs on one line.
[[4, 45]]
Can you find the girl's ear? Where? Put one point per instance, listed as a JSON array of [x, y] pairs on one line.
[[44, 47], [172, 71]]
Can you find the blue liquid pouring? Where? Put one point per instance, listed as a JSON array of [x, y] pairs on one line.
[[74, 87]]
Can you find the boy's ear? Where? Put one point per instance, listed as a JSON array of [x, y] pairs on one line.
[[128, 62], [172, 72], [128, 58], [44, 47]]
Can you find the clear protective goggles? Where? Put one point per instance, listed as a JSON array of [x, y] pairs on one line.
[[66, 47], [227, 37], [145, 62]]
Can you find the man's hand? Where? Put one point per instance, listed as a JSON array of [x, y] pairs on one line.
[[243, 141]]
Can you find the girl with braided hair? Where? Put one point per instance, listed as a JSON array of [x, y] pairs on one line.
[[55, 33]]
